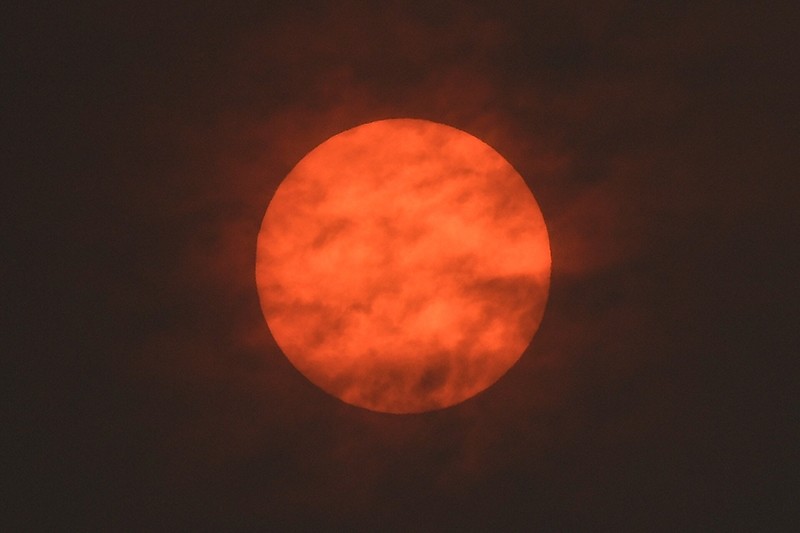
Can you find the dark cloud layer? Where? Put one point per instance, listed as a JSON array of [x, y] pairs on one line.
[[143, 143]]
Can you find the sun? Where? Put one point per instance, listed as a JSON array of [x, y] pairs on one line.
[[403, 266]]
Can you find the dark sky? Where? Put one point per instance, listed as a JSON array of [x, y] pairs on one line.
[[142, 143]]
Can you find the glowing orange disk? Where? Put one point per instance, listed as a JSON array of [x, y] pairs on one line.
[[403, 266]]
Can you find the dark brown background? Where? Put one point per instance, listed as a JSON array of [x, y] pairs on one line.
[[142, 143]]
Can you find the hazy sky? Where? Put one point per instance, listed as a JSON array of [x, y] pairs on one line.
[[143, 145]]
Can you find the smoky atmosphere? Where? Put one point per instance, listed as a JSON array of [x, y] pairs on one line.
[[627, 366]]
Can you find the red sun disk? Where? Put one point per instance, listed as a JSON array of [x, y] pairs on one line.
[[403, 266]]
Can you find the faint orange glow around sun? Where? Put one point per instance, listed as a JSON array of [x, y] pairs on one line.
[[403, 266]]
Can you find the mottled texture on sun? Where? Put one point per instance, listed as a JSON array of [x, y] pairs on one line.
[[403, 266]]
